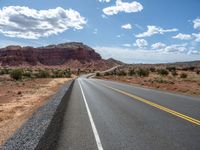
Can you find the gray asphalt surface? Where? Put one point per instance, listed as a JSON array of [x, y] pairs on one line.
[[124, 123]]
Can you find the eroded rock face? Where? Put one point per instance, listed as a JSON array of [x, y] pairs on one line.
[[49, 56]]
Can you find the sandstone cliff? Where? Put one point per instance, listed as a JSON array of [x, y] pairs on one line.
[[73, 55]]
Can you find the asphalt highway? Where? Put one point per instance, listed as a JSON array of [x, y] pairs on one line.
[[105, 115]]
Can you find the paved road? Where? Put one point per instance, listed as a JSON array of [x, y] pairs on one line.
[[92, 75], [115, 116]]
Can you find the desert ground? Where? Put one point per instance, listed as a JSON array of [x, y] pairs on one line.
[[19, 99]]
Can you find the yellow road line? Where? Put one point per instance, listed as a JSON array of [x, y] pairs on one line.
[[175, 113]]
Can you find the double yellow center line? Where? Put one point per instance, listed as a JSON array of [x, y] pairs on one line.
[[175, 113]]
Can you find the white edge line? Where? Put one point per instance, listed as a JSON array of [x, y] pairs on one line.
[[96, 135]]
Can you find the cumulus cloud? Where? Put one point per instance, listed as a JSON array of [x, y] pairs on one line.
[[130, 55], [195, 52], [176, 48], [196, 23], [23, 22], [107, 1], [151, 30], [182, 36], [197, 36], [141, 43], [127, 26], [123, 7], [158, 45]]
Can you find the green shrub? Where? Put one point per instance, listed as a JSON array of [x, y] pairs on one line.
[[142, 72], [16, 74], [183, 75], [162, 72]]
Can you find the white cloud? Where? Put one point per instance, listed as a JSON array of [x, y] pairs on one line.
[[126, 45], [127, 26], [141, 43], [196, 23], [23, 22], [158, 45], [197, 36], [130, 55], [194, 52], [176, 48], [123, 7], [107, 1], [154, 30], [183, 36]]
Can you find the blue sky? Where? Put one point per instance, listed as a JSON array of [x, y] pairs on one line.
[[142, 31]]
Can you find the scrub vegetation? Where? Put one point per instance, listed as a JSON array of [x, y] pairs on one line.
[[172, 77]]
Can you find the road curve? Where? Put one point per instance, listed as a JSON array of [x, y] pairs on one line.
[[107, 115]]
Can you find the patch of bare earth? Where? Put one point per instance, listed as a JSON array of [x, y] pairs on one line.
[[189, 85], [19, 99]]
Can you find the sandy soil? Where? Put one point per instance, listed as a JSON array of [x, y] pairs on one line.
[[189, 85], [18, 100]]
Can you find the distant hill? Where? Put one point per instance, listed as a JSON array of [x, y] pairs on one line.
[[73, 55], [195, 63]]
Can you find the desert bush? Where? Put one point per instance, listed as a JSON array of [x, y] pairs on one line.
[[171, 68], [107, 73], [4, 71], [183, 75], [190, 68], [68, 73], [58, 74], [98, 74], [121, 73], [131, 72], [16, 74], [162, 72], [27, 74], [142, 72], [174, 73], [197, 71], [42, 74], [160, 80], [152, 69]]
